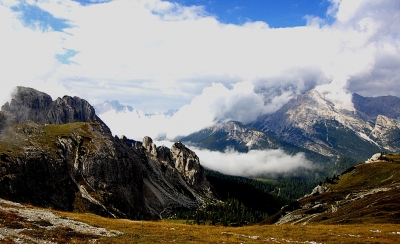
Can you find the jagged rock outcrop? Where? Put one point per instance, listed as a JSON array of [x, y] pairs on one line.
[[30, 104], [149, 145], [80, 166], [188, 165], [386, 133]]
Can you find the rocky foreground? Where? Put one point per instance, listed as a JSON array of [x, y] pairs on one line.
[[23, 224]]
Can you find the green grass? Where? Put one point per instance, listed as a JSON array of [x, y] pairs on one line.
[[269, 181], [20, 137], [170, 232], [178, 232]]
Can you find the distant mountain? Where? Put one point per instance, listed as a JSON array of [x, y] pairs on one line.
[[388, 106], [232, 134], [366, 193], [242, 138], [59, 154], [109, 105], [313, 122]]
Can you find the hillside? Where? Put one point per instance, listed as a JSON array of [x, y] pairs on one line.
[[59, 154], [366, 193]]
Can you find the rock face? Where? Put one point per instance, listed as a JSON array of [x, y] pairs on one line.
[[59, 154], [313, 122], [232, 134], [30, 104], [188, 165]]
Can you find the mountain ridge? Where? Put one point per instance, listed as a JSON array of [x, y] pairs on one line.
[[308, 120], [60, 154]]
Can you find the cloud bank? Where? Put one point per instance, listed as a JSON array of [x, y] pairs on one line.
[[157, 55], [251, 164], [215, 104], [254, 163]]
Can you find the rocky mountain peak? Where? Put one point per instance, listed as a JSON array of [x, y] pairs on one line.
[[187, 163], [25, 104], [109, 105], [149, 145], [315, 123], [30, 104], [60, 154]]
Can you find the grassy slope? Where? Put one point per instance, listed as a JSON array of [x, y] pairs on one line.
[[167, 232], [366, 193]]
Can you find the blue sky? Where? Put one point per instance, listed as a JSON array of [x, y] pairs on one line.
[[209, 60], [277, 14], [283, 13]]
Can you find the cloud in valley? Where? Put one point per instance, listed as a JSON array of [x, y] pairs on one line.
[[253, 163], [157, 55]]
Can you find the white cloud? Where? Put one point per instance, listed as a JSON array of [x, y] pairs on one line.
[[156, 55], [27, 55], [253, 163], [216, 103]]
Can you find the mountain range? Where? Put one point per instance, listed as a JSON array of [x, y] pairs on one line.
[[314, 125], [311, 121], [60, 154]]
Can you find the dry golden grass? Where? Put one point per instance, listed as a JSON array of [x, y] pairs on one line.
[[172, 232]]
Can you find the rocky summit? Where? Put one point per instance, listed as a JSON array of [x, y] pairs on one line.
[[59, 154], [313, 122]]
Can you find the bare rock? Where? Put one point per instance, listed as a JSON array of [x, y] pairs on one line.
[[187, 163], [149, 145]]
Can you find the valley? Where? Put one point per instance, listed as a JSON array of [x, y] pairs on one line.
[[65, 178]]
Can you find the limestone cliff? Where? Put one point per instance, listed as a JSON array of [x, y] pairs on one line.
[[30, 104], [60, 154]]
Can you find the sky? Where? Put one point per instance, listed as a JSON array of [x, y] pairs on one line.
[[210, 61]]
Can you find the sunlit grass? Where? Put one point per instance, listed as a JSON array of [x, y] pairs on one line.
[[170, 231], [269, 181]]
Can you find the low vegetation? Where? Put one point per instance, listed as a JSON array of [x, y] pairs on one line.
[[17, 229]]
